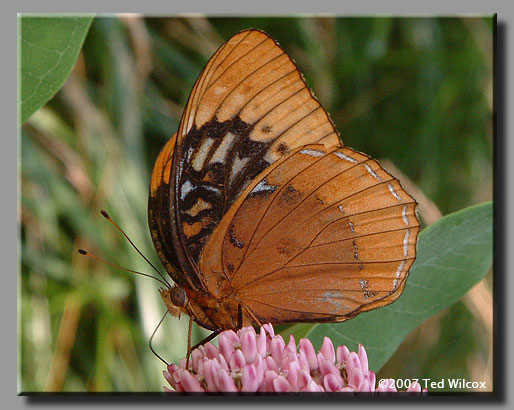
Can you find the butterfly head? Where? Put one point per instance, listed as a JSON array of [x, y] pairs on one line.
[[175, 300]]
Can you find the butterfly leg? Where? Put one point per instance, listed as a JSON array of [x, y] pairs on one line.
[[207, 339], [189, 341], [249, 311]]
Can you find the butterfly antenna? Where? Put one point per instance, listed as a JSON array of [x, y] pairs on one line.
[[83, 252], [151, 337], [106, 216]]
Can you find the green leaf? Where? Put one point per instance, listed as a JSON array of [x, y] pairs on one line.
[[454, 254], [49, 47]]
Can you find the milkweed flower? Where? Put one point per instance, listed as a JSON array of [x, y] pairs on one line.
[[263, 363]]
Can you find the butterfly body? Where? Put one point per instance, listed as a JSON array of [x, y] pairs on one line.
[[257, 211]]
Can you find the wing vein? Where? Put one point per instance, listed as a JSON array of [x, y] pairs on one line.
[[271, 203], [310, 194]]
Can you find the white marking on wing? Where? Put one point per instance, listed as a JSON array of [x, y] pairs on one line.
[[398, 273], [185, 189], [345, 157], [340, 207], [404, 216], [372, 173], [219, 90], [406, 243], [363, 283], [213, 189], [189, 153], [395, 194], [202, 153], [237, 166], [312, 152], [223, 148], [351, 226], [263, 186], [190, 122]]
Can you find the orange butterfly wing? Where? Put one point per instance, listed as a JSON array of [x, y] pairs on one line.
[[254, 203], [320, 236], [249, 107]]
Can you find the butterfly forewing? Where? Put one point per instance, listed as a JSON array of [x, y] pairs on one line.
[[249, 108], [324, 234]]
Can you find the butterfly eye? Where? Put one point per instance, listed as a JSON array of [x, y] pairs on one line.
[[178, 296]]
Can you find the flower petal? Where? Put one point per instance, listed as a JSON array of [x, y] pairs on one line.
[[211, 351], [292, 375], [331, 383], [363, 357], [189, 383], [304, 379], [249, 380], [355, 379], [237, 360], [224, 382], [327, 349], [314, 387], [169, 378], [270, 364], [414, 388], [342, 354], [210, 369], [326, 367], [267, 381], [310, 354], [259, 368], [281, 385], [387, 386], [268, 327], [352, 362], [226, 345], [249, 346], [302, 360], [223, 362], [195, 356], [261, 343], [291, 346], [277, 349]]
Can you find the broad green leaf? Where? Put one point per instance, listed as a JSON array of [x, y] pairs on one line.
[[49, 47], [453, 255]]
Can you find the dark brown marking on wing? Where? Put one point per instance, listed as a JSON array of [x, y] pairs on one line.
[[215, 183], [238, 243], [282, 148], [290, 195]]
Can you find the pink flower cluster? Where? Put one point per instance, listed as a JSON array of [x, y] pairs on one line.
[[250, 362]]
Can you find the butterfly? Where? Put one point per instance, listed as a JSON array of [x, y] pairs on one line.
[[257, 211]]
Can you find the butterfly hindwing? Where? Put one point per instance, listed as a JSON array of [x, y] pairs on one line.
[[322, 235]]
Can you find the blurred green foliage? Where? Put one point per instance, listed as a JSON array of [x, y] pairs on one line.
[[414, 91]]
